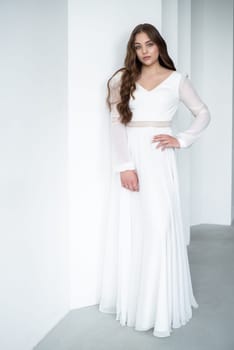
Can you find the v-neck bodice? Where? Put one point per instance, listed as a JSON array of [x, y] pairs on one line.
[[156, 86], [159, 103]]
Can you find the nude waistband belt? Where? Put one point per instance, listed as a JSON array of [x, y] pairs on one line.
[[157, 123]]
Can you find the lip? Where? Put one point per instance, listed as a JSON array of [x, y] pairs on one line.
[[146, 57]]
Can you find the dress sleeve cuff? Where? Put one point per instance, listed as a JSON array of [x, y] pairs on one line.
[[124, 167], [181, 142]]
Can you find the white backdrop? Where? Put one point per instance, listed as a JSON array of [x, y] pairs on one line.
[[51, 263], [34, 292], [212, 73]]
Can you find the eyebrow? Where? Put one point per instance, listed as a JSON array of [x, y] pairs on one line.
[[139, 43]]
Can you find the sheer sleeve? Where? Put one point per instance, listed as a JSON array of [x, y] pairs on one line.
[[121, 159], [198, 108]]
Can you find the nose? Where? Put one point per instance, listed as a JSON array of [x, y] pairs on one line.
[[144, 49]]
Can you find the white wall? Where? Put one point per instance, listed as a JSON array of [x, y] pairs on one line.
[[98, 34], [197, 44], [212, 73], [33, 202]]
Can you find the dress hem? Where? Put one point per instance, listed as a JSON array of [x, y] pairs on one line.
[[159, 334]]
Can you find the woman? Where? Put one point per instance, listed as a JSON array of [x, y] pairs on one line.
[[146, 276]]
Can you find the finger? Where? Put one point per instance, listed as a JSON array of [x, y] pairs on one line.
[[133, 185], [156, 140], [163, 147], [161, 144], [135, 188], [160, 136], [162, 140], [128, 186]]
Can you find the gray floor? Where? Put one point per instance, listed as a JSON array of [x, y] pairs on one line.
[[212, 326]]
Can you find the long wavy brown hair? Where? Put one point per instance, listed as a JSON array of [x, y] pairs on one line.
[[132, 69]]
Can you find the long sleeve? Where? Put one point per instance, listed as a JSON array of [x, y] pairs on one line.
[[121, 159], [193, 102]]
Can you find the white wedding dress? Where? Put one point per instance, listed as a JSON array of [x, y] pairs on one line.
[[146, 278]]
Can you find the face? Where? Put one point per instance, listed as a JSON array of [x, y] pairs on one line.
[[146, 50]]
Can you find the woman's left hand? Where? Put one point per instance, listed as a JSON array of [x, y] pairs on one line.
[[166, 141]]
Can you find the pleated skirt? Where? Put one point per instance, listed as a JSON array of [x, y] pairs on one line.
[[146, 277]]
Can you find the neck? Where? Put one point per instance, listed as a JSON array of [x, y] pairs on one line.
[[155, 68]]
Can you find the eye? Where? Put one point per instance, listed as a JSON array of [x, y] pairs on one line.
[[148, 44]]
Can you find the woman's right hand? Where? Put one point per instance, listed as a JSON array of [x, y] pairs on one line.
[[129, 180]]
